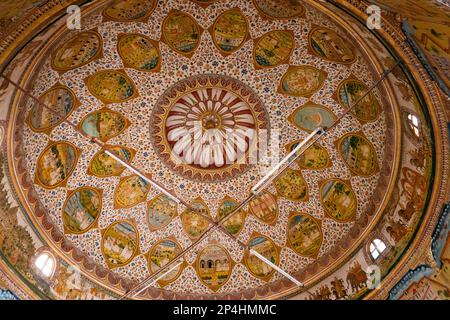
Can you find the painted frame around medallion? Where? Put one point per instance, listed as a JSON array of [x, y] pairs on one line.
[[212, 32], [154, 43], [102, 150], [309, 93], [136, 252], [329, 214], [143, 19], [63, 182], [286, 60], [318, 222], [48, 130], [117, 205], [94, 224], [264, 15], [97, 56]]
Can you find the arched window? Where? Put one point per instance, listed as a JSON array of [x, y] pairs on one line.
[[414, 124], [376, 248], [45, 264]]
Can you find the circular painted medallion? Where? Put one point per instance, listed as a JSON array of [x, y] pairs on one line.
[[61, 100], [214, 266], [338, 199], [111, 86], [352, 90], [161, 254], [304, 234], [77, 51], [273, 48], [280, 9], [230, 30], [267, 248], [81, 210], [120, 243], [328, 45], [205, 127], [55, 164], [302, 81], [359, 154], [160, 212], [139, 52], [129, 10]]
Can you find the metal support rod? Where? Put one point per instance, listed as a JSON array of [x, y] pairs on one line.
[[275, 267]]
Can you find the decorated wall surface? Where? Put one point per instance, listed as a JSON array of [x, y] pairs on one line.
[[136, 78]]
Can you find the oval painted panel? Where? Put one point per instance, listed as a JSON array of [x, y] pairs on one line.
[[315, 157], [235, 223], [104, 124], [81, 210], [55, 164], [265, 208], [280, 9], [204, 3], [194, 224], [230, 30], [129, 10], [120, 244], [102, 165], [327, 44], [214, 266], [304, 234], [292, 186], [338, 200], [160, 212], [111, 86], [311, 116], [80, 50], [350, 91], [266, 247], [181, 32], [139, 52], [61, 100], [359, 154], [161, 254], [130, 192], [273, 49], [302, 81]]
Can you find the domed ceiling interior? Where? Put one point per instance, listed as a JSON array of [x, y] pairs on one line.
[[204, 98]]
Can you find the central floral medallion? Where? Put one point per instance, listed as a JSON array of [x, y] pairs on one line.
[[209, 127]]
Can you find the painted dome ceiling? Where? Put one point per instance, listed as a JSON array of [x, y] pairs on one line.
[[174, 89]]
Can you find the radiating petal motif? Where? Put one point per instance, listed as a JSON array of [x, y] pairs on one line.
[[273, 49], [304, 234], [194, 223], [139, 52], [81, 210], [160, 212], [61, 100], [267, 248], [161, 254], [181, 32], [209, 128], [338, 200], [129, 10], [291, 185], [230, 31], [235, 223], [102, 165], [280, 9], [359, 154], [104, 124], [130, 192], [55, 164], [120, 243], [112, 86], [214, 266], [78, 51], [327, 44]]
